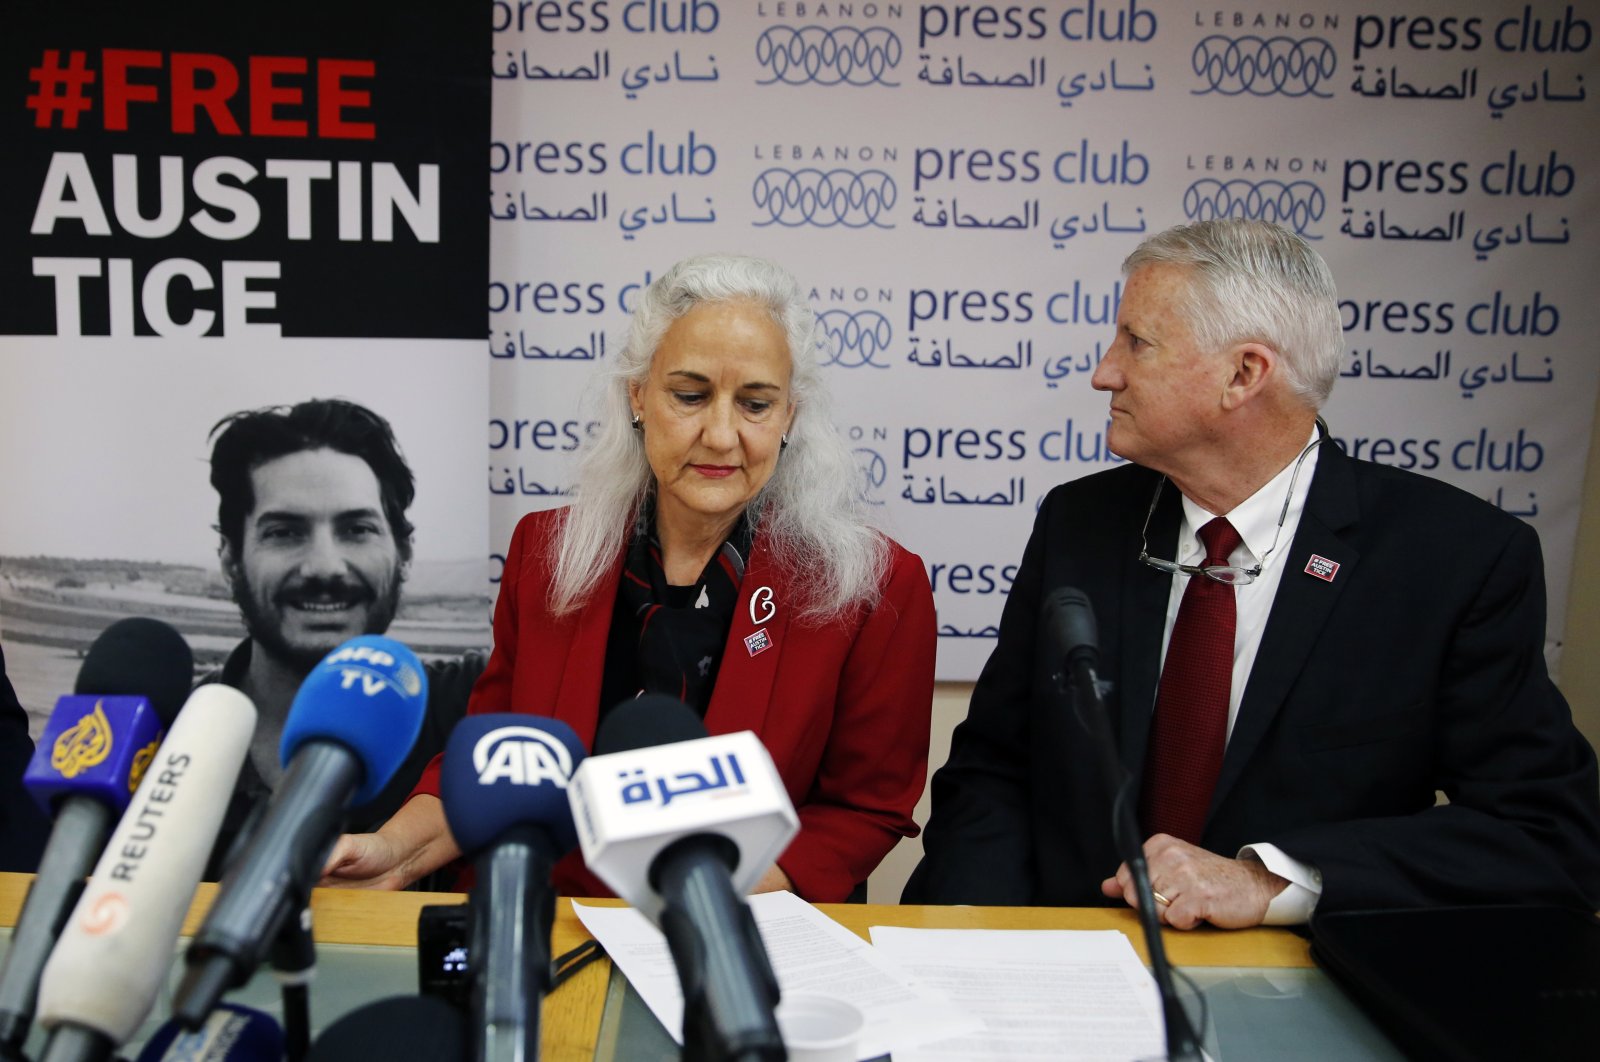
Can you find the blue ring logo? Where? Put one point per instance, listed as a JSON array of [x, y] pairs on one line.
[[874, 473], [854, 340], [1295, 205], [1272, 66], [810, 196], [822, 55]]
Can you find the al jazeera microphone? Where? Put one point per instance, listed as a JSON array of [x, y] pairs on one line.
[[682, 826], [84, 770], [114, 953]]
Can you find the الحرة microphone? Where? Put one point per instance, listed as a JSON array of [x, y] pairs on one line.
[[682, 825]]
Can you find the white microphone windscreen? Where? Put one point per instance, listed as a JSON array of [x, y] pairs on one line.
[[117, 946], [629, 806]]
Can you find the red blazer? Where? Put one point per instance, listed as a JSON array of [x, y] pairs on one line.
[[843, 709]]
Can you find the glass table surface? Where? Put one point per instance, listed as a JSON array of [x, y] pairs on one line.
[[1254, 1013]]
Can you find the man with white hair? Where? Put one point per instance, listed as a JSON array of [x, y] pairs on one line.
[[1304, 649]]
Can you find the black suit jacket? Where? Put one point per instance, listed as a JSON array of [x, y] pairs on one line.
[[24, 828], [1418, 668]]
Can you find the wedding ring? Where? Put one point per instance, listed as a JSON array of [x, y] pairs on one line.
[[1162, 900]]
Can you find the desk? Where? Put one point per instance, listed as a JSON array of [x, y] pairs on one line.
[[388, 920], [571, 1017]]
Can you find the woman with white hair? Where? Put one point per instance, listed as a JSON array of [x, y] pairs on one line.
[[717, 551]]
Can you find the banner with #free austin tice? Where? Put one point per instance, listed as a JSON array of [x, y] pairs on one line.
[[956, 192], [208, 210]]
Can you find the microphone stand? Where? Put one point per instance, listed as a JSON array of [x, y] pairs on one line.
[[294, 963], [510, 917], [1183, 1045], [82, 826], [730, 991]]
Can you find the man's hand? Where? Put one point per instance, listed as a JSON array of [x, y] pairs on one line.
[[1200, 886]]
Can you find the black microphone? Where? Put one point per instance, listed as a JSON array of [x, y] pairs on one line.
[[397, 1027], [728, 816], [1071, 629], [504, 787], [1069, 624], [87, 764], [352, 723]]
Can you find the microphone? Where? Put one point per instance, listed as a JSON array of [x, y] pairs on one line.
[[682, 825], [504, 786], [114, 953], [351, 725], [1071, 630], [398, 1027], [85, 768], [230, 1034]]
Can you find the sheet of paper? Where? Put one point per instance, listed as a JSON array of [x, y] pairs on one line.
[[810, 952], [1058, 994]]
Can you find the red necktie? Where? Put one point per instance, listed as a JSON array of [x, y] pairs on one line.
[[1190, 728]]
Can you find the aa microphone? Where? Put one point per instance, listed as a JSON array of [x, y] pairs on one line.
[[231, 1034], [398, 1027], [1071, 630], [115, 951], [682, 825], [504, 786], [351, 725], [85, 768]]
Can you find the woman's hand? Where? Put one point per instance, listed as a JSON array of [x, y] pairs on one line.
[[363, 861], [774, 880], [416, 841]]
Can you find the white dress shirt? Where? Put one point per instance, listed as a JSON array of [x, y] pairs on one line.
[[1256, 520]]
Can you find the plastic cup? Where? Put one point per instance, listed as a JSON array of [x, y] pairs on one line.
[[819, 1028]]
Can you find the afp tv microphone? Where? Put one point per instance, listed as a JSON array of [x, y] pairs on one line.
[[84, 771], [355, 718], [114, 954], [682, 826], [504, 786]]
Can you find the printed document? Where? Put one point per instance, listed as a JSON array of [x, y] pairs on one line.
[[1057, 994], [810, 952]]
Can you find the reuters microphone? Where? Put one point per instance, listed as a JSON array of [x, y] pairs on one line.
[[682, 826], [114, 954], [350, 727], [84, 770], [504, 786]]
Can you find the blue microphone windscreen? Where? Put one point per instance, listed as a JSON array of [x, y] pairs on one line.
[[509, 770], [646, 721], [93, 746], [230, 1034], [369, 695], [140, 657]]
